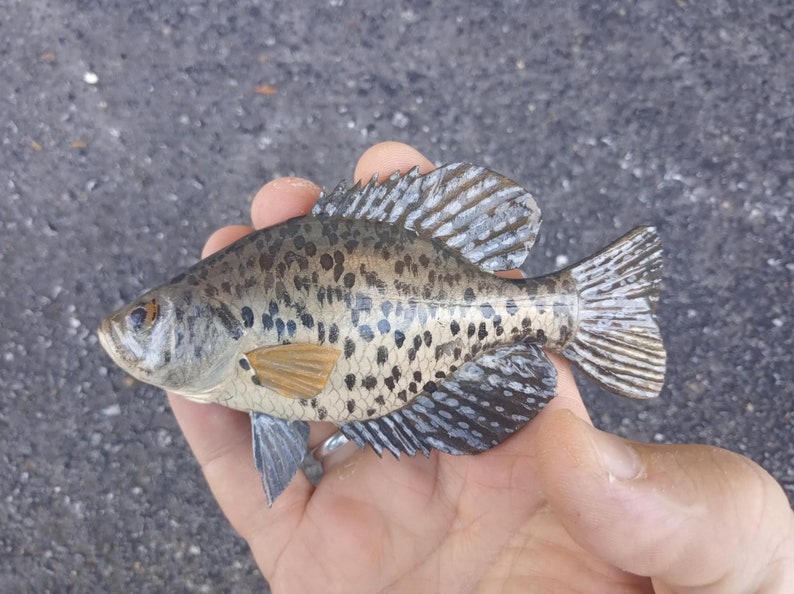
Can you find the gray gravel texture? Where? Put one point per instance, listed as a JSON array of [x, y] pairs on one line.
[[131, 129]]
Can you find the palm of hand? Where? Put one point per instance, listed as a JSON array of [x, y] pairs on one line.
[[437, 525]]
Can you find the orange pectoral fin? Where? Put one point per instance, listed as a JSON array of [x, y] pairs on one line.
[[294, 370]]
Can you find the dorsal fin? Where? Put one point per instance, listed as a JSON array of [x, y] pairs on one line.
[[488, 219]]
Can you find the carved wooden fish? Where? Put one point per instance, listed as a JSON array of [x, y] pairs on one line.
[[380, 312]]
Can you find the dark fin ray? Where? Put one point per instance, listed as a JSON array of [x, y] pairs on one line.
[[293, 370], [488, 219], [472, 410], [618, 343], [279, 449]]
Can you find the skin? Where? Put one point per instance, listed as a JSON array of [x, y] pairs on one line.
[[559, 507]]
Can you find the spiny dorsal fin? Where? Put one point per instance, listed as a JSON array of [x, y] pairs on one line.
[[488, 219]]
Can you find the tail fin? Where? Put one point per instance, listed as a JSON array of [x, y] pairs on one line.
[[617, 343]]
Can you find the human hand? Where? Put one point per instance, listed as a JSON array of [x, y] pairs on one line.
[[560, 506]]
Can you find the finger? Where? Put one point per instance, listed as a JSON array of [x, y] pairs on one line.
[[283, 199], [688, 516], [223, 237], [387, 157]]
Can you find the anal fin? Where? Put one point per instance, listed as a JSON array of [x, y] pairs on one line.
[[472, 410], [279, 449]]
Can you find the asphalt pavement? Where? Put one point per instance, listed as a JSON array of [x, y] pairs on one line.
[[129, 130]]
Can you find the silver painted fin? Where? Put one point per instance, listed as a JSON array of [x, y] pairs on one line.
[[488, 219], [472, 410], [617, 342], [279, 449]]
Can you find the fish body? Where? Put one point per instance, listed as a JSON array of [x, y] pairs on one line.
[[380, 312]]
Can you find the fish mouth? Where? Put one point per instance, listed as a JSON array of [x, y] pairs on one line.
[[109, 339]]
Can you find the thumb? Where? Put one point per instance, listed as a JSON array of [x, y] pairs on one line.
[[691, 517]]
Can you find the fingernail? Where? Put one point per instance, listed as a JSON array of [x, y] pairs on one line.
[[618, 458]]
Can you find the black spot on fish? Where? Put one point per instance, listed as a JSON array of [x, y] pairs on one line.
[[454, 327], [326, 261], [441, 374], [307, 320], [389, 381], [412, 388], [468, 295], [511, 307], [499, 330], [310, 248], [399, 267], [424, 260], [428, 338], [386, 307], [486, 310], [333, 333], [482, 332], [411, 354], [402, 395], [371, 412], [418, 376], [351, 245], [417, 342], [383, 355], [497, 320], [299, 241], [322, 412], [272, 307], [399, 338], [369, 382], [384, 326], [396, 373], [267, 322], [363, 302], [320, 332], [350, 381], [366, 333], [265, 262], [279, 327], [351, 406], [526, 324], [338, 270], [244, 364], [230, 323], [471, 330], [291, 327], [430, 387], [349, 280], [540, 337], [350, 348], [255, 380], [248, 317]]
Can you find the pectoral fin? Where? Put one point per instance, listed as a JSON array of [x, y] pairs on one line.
[[293, 370]]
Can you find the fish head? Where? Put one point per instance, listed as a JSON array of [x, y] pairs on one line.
[[170, 339]]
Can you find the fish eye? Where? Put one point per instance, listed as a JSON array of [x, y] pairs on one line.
[[144, 316]]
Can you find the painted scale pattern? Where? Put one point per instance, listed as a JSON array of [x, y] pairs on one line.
[[372, 291]]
